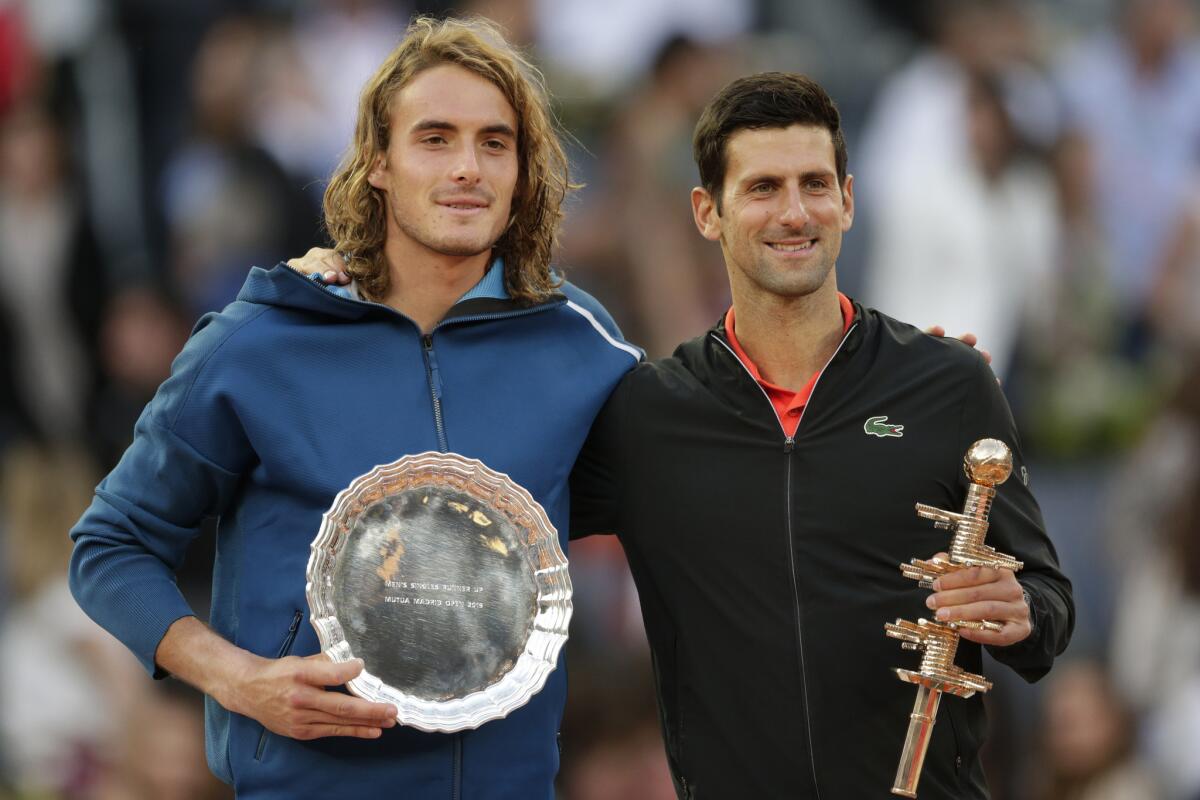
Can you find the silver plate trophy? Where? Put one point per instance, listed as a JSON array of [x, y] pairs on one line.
[[447, 579]]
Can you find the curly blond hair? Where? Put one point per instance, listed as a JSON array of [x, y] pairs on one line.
[[356, 212]]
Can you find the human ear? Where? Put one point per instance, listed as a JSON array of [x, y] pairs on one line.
[[378, 170], [848, 203], [704, 211]]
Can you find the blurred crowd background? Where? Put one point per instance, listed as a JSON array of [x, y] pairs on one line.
[[1025, 169]]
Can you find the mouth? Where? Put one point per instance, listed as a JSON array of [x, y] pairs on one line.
[[793, 246], [467, 204]]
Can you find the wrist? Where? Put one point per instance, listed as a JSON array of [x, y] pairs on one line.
[[231, 680], [1030, 610]]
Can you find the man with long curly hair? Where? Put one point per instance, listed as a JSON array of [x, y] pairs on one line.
[[454, 335]]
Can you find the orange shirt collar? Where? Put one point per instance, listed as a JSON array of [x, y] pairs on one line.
[[787, 403]]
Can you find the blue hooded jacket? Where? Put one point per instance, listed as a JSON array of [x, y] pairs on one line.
[[275, 405]]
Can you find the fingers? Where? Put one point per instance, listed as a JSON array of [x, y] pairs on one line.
[[318, 731], [312, 712], [998, 610], [345, 707], [968, 338], [318, 670], [962, 590], [1011, 633], [316, 726], [971, 340], [288, 696], [980, 593], [971, 576], [321, 718], [324, 261]]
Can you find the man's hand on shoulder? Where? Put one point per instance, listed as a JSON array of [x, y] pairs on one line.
[[969, 339], [288, 696], [978, 593], [324, 261]]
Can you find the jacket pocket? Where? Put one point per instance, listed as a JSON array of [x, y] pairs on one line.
[[966, 744], [284, 649], [671, 712]]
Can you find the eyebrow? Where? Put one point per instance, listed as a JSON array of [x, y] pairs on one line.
[[441, 125], [767, 177]]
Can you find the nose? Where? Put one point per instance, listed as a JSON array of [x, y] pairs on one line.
[[794, 212], [466, 167]]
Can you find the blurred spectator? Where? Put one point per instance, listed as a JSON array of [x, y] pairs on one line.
[[518, 18], [606, 46], [1133, 96], [1155, 541], [65, 681], [16, 423], [142, 331], [228, 204], [54, 285], [972, 245], [1082, 396], [84, 64], [1087, 737], [312, 76], [961, 214], [163, 737], [635, 232], [920, 121], [1175, 301], [16, 56]]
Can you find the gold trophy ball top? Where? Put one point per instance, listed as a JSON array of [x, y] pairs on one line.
[[988, 462]]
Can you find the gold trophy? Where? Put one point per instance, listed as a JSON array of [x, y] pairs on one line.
[[988, 464]]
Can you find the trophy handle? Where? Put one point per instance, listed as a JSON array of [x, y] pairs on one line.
[[916, 742]]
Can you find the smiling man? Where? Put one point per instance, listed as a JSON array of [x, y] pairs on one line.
[[762, 482], [455, 335]]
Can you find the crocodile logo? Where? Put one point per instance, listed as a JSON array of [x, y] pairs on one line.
[[879, 426]]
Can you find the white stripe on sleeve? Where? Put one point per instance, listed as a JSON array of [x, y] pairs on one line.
[[608, 337]]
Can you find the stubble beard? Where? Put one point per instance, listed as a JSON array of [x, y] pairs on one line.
[[470, 244], [769, 277], [793, 285]]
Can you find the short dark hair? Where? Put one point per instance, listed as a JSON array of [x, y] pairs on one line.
[[765, 100]]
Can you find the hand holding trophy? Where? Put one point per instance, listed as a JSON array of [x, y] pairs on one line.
[[988, 463]]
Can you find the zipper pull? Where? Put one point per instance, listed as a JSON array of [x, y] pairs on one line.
[[435, 376], [788, 444]]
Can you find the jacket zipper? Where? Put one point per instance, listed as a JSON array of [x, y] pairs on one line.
[[789, 444], [456, 778], [284, 649], [432, 374], [435, 389]]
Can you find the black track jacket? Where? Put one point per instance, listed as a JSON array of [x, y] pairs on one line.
[[767, 566]]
